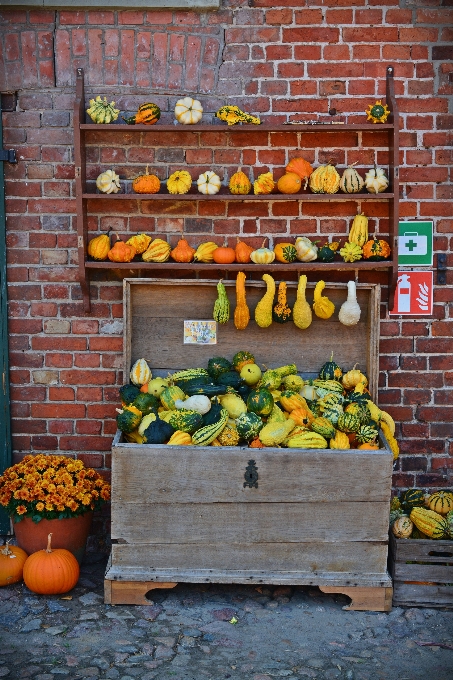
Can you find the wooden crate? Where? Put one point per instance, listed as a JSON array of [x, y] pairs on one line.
[[422, 572], [186, 514]]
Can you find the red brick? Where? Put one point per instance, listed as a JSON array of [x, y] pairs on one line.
[[88, 427], [309, 16], [61, 394], [318, 34], [56, 410], [44, 442], [77, 377], [435, 414], [279, 16]]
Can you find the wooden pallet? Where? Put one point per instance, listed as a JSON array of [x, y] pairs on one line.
[[422, 572]]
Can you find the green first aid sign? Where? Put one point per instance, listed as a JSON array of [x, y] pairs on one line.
[[415, 244]]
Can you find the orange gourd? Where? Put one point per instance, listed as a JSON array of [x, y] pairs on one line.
[[146, 184], [301, 416], [242, 312], [224, 254], [243, 251], [51, 572], [256, 444], [376, 250], [290, 183], [12, 560], [183, 252], [301, 167], [99, 247], [373, 447], [121, 252]]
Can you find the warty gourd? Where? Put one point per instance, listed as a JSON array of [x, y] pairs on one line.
[[302, 315]]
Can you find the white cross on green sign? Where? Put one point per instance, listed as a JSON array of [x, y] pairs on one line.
[[415, 244]]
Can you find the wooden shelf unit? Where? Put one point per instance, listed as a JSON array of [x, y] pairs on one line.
[[83, 196]]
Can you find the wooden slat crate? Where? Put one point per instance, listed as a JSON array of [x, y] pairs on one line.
[[185, 514], [422, 572]]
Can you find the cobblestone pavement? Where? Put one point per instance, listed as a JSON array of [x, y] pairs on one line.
[[190, 633]]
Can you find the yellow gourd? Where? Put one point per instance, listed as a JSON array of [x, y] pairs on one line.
[[263, 310], [322, 306], [141, 242], [302, 315], [242, 312]]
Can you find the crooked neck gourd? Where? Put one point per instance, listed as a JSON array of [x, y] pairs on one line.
[[263, 310], [349, 313], [302, 315]]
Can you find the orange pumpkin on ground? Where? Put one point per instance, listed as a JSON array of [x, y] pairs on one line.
[[12, 560], [51, 572]]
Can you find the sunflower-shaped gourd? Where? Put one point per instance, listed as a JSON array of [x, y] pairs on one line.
[[376, 180], [179, 182], [208, 183], [108, 182], [378, 112], [188, 111]]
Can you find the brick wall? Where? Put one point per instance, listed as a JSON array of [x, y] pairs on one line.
[[282, 62]]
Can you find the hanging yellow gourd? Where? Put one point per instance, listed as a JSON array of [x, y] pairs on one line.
[[263, 310], [322, 306], [281, 313], [242, 312], [302, 315]]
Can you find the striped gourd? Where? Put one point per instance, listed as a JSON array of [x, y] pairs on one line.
[[307, 440], [366, 434], [190, 374], [430, 523], [348, 422], [351, 182], [158, 251], [333, 412], [359, 410], [323, 426], [248, 425], [413, 498], [441, 502], [186, 420], [205, 435], [325, 180], [147, 114], [140, 373], [449, 520], [170, 395]]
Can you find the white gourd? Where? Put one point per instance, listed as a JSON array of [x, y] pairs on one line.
[[305, 249], [188, 111], [351, 182], [376, 181], [349, 313], [198, 402], [108, 182], [208, 183]]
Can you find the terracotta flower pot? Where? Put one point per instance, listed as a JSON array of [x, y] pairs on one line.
[[71, 533]]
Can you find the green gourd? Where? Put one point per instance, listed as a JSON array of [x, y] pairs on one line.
[[221, 312], [158, 432], [248, 426], [218, 365], [323, 426], [127, 421], [205, 435], [128, 393], [330, 370], [260, 401], [186, 420]]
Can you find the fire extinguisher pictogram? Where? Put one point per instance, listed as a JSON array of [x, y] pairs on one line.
[[404, 293]]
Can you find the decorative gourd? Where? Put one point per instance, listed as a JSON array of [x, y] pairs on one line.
[[221, 312], [12, 560], [376, 180], [188, 374], [158, 251], [339, 441], [351, 252], [205, 252], [323, 426], [146, 403], [285, 252], [272, 378], [262, 255], [376, 250], [248, 425], [370, 446], [330, 370], [307, 440], [140, 373], [205, 435], [108, 182], [158, 432], [325, 180], [289, 183], [183, 252], [229, 435], [377, 112], [264, 184], [239, 183], [251, 374], [273, 433], [323, 387], [188, 111], [234, 404], [100, 111], [208, 183], [322, 306], [184, 419], [301, 416], [301, 167], [230, 379], [224, 254], [241, 359], [243, 251], [128, 420], [170, 395], [51, 572], [327, 252], [348, 422], [128, 393], [351, 182], [147, 114], [233, 115], [179, 438], [121, 252], [98, 247], [157, 386], [281, 313], [402, 527], [146, 184], [449, 519], [217, 366], [429, 522], [366, 434], [293, 383], [353, 378], [441, 502], [358, 232], [263, 310], [179, 182], [291, 401], [260, 401], [242, 312], [387, 418], [349, 314], [198, 402], [256, 444], [305, 249], [302, 314], [140, 242], [413, 498]]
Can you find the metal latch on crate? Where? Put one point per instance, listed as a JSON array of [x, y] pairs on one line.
[[251, 475], [441, 269], [8, 155]]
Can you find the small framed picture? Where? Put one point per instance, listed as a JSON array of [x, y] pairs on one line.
[[200, 332]]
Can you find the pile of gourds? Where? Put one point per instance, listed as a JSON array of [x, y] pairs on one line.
[[231, 403], [417, 514]]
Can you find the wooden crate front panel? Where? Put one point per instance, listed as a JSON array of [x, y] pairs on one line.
[[155, 310], [162, 474]]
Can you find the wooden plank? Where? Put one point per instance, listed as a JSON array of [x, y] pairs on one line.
[[346, 564], [412, 595], [201, 475], [131, 592], [423, 572], [421, 550], [206, 523], [364, 599]]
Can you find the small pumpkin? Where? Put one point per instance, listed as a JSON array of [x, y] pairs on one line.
[[183, 252], [402, 527], [146, 183], [301, 167], [147, 114], [441, 502], [12, 560], [179, 182], [289, 183], [188, 111], [51, 572], [108, 182], [326, 253], [121, 251], [262, 255], [264, 184], [285, 252], [208, 183], [239, 183], [243, 251], [376, 250], [140, 242], [99, 246], [224, 254]]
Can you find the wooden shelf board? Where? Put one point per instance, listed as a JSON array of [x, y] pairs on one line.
[[194, 195], [235, 267], [293, 127]]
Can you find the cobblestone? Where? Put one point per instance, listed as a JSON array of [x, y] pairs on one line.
[[190, 634]]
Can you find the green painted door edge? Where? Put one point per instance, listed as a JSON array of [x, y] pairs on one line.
[[5, 420]]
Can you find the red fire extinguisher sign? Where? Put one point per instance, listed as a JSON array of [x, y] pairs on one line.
[[414, 294]]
